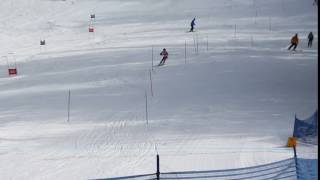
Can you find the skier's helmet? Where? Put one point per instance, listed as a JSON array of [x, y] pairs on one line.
[[164, 49]]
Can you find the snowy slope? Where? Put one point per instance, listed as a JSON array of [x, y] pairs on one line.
[[230, 105]]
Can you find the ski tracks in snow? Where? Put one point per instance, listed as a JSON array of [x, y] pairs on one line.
[[116, 140]]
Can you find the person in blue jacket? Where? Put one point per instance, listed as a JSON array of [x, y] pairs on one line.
[[192, 24]]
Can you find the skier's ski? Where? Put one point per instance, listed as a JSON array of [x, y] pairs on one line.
[[297, 51], [158, 65], [292, 51]]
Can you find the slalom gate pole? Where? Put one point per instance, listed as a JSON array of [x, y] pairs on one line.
[[15, 62], [296, 160], [255, 17], [151, 83], [197, 44], [158, 167], [235, 31], [69, 94], [282, 5], [6, 59], [185, 52], [207, 43], [146, 97], [194, 44], [269, 23], [152, 57]]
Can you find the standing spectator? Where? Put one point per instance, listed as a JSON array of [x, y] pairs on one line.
[[315, 2], [310, 39]]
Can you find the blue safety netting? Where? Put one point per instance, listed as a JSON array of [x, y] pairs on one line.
[[307, 130], [285, 169], [288, 169], [307, 169]]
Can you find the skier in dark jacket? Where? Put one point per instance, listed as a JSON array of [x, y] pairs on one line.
[[315, 2], [192, 24], [310, 39], [165, 54]]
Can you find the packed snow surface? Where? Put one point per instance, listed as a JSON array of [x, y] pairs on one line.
[[226, 97]]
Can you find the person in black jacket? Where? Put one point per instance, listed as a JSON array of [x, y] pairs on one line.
[[192, 24], [310, 39], [165, 55]]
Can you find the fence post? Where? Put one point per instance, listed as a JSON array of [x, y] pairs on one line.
[[296, 160], [158, 167]]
